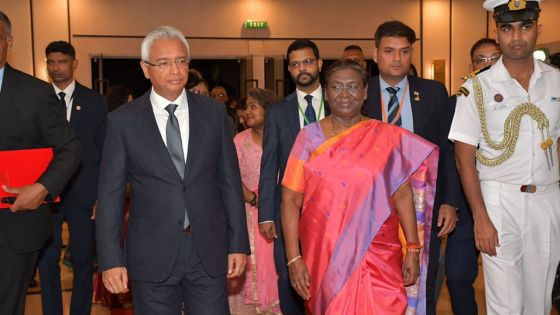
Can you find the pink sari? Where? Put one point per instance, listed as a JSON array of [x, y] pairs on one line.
[[257, 291], [349, 230]]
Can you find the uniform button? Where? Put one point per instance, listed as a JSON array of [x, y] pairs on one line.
[[184, 188]]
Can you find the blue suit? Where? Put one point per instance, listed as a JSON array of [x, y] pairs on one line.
[[88, 119], [281, 127]]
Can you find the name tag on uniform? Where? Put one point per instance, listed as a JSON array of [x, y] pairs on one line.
[[555, 98], [497, 106]]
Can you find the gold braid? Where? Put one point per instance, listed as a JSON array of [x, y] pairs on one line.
[[511, 128]]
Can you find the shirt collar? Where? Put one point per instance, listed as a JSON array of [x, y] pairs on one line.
[[317, 94], [500, 72], [2, 76], [401, 85], [69, 90], [160, 102]]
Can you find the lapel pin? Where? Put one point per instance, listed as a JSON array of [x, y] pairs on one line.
[[78, 107], [416, 96], [498, 98]]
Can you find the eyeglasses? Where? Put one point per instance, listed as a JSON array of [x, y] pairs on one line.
[[484, 60], [352, 88], [306, 62], [181, 62]]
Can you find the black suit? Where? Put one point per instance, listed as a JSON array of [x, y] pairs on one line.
[[30, 119], [88, 119], [461, 255], [430, 110], [282, 125], [211, 192]]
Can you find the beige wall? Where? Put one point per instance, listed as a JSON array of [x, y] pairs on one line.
[[114, 28]]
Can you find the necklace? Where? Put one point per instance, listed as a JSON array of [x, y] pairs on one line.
[[332, 125]]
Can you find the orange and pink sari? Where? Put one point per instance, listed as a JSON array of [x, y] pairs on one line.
[[349, 230]]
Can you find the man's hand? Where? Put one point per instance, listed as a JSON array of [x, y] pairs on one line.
[[486, 236], [236, 265], [116, 280], [447, 219], [29, 197], [268, 230]]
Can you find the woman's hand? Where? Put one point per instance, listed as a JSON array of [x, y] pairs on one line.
[[299, 277], [411, 268]]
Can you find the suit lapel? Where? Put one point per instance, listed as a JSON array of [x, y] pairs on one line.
[[147, 127], [9, 85], [77, 105], [196, 131], [293, 114], [419, 116], [374, 97]]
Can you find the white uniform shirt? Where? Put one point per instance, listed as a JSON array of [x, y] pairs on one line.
[[181, 112], [528, 163], [317, 102]]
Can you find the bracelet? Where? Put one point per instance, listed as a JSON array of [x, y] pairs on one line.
[[293, 260], [413, 246], [253, 201]]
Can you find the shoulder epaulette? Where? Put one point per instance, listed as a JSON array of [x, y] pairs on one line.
[[472, 74], [550, 64], [462, 91]]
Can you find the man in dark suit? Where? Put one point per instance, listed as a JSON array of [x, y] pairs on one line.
[[87, 112], [187, 228], [30, 119], [282, 124], [461, 255], [421, 106]]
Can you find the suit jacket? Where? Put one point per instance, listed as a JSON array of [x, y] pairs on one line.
[[31, 118], [89, 123], [281, 128], [211, 192], [430, 111]]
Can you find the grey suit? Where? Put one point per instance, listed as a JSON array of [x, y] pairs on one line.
[[211, 192]]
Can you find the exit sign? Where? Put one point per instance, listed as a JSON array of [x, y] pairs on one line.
[[256, 24]]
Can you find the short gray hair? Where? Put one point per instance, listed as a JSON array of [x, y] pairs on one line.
[[164, 31], [4, 19]]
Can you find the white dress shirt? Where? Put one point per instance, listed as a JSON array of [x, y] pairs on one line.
[[182, 113], [68, 98], [317, 102], [502, 93]]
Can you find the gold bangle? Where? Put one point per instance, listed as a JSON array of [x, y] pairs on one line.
[[293, 260]]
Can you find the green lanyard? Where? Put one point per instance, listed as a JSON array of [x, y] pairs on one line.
[[306, 121]]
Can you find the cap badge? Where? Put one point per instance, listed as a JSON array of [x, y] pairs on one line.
[[515, 5]]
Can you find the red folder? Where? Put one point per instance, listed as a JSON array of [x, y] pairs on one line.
[[22, 167]]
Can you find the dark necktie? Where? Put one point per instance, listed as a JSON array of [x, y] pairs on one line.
[[393, 108], [309, 111], [175, 145], [62, 101]]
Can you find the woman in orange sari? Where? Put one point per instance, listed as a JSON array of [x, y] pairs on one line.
[[356, 180]]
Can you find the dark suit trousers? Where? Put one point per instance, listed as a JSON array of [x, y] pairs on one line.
[[81, 231], [461, 266], [290, 301], [188, 283], [16, 271]]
